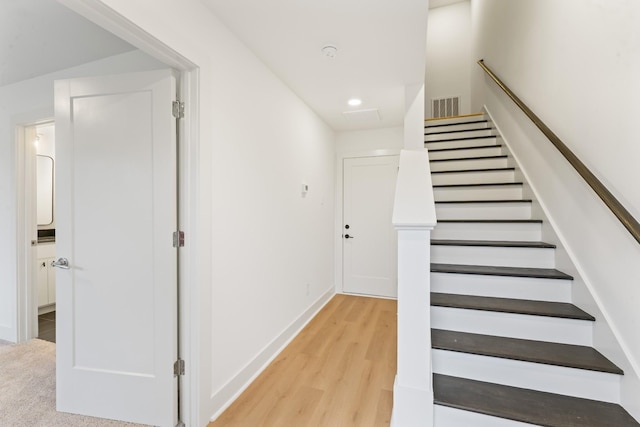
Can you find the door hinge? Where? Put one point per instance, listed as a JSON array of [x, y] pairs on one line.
[[178, 239], [178, 109], [178, 367]]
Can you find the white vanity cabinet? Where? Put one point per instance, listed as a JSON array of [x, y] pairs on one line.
[[46, 274]]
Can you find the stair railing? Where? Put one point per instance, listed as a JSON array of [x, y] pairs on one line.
[[623, 215], [414, 217]]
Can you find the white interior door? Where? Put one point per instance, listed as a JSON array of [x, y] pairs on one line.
[[116, 214], [370, 261]]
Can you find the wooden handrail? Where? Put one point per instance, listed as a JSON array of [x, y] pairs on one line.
[[625, 217]]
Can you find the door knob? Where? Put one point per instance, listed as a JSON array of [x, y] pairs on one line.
[[346, 236], [61, 263]]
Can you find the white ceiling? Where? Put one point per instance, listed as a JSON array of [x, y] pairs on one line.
[[41, 36], [381, 48]]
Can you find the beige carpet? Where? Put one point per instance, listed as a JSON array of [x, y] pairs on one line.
[[28, 389]]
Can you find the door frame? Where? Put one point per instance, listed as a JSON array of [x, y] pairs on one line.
[[339, 202], [189, 342]]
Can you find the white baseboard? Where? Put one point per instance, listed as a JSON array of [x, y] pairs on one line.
[[224, 397]]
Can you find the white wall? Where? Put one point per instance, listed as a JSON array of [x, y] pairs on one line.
[[575, 64], [365, 141], [449, 60], [267, 244], [22, 103]]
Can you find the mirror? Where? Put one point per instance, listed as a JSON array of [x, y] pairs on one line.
[[44, 189]]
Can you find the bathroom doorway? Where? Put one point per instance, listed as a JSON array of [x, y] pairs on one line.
[[46, 222], [39, 156]]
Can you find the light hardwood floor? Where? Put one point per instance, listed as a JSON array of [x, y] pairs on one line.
[[338, 371]]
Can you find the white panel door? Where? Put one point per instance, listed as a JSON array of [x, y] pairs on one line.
[[369, 240], [116, 213]]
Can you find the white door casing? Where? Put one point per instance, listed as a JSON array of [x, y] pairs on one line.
[[370, 252], [116, 206]]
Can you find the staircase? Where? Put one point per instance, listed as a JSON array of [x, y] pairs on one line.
[[508, 347]]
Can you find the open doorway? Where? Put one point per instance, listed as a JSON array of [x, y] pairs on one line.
[[35, 97], [44, 178], [36, 224]]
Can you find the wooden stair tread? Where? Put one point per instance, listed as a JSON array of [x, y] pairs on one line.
[[475, 147], [485, 184], [492, 243], [459, 139], [491, 221], [460, 159], [485, 201], [528, 406], [476, 170], [566, 355], [444, 132], [455, 124], [509, 305], [541, 273]]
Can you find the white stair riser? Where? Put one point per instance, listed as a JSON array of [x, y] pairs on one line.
[[502, 286], [483, 210], [458, 119], [458, 135], [502, 192], [540, 328], [470, 152], [461, 143], [456, 127], [527, 231], [444, 416], [494, 256], [535, 376], [452, 165], [486, 177]]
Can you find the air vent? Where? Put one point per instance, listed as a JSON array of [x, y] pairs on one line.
[[445, 107]]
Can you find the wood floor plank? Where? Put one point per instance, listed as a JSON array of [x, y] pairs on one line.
[[338, 371], [384, 406]]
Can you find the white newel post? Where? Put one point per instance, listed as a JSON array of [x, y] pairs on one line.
[[414, 218]]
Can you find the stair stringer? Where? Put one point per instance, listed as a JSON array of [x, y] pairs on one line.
[[605, 337]]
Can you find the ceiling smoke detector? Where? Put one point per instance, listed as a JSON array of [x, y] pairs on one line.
[[329, 51]]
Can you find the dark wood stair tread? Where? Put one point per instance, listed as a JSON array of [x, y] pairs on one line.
[[459, 139], [460, 159], [540, 273], [490, 221], [528, 406], [449, 132], [455, 124], [476, 170], [492, 243], [485, 201], [548, 353], [475, 147], [484, 184], [510, 305]]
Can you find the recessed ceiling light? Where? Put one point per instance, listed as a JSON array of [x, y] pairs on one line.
[[329, 51], [354, 102]]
